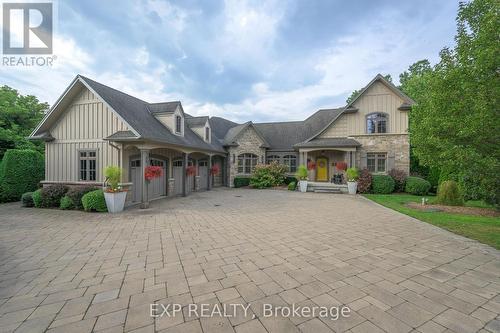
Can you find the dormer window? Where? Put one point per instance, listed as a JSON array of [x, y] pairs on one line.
[[207, 134], [376, 123], [178, 124]]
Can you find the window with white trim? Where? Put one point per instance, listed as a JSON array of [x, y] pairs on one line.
[[207, 134], [178, 124], [376, 123], [87, 163], [290, 161], [246, 163], [376, 162]]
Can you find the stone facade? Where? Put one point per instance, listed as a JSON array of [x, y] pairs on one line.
[[397, 147], [249, 142]]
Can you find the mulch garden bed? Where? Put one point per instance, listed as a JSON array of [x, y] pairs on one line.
[[455, 209]]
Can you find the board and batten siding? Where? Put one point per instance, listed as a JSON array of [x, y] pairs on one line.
[[83, 125], [378, 98]]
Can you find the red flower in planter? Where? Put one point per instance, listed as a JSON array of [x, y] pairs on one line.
[[214, 170], [152, 172], [311, 165], [191, 170], [341, 165]]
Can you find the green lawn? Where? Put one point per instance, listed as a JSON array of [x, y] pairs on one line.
[[484, 229]]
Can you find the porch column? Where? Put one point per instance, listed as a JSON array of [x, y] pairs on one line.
[[144, 185], [184, 175], [209, 176], [224, 170]]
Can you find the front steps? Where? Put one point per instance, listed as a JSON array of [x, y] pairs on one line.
[[324, 187]]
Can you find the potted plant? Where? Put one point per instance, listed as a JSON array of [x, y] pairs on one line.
[[191, 170], [352, 180], [114, 194], [302, 177], [214, 170]]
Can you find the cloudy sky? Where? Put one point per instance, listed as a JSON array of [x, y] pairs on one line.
[[245, 60]]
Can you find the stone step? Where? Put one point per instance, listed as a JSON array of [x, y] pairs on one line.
[[327, 190]]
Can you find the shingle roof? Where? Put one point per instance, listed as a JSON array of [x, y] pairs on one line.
[[121, 135], [283, 135], [137, 114], [167, 107], [196, 121], [329, 143]]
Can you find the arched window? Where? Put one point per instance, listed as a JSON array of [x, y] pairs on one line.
[[376, 123], [246, 163], [272, 158], [178, 124], [291, 162]]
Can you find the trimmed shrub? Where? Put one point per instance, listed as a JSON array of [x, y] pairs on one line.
[[449, 194], [94, 202], [268, 175], [364, 181], [51, 195], [290, 179], [292, 186], [399, 177], [27, 199], [66, 203], [20, 171], [76, 194], [417, 186], [241, 181], [37, 198], [382, 184]]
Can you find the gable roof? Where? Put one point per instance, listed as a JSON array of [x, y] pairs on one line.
[[196, 121], [349, 108], [283, 135], [164, 107], [235, 132], [141, 121]]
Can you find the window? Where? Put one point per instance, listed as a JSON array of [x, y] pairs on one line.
[[272, 158], [376, 162], [246, 163], [177, 163], [156, 162], [207, 134], [178, 124], [203, 163], [291, 162], [87, 164], [376, 123]]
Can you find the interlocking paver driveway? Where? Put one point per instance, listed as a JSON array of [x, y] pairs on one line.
[[66, 271]]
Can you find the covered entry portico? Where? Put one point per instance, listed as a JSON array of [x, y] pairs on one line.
[[325, 154], [184, 170]]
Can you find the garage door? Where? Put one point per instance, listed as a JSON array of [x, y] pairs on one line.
[[177, 171], [203, 172], [156, 188]]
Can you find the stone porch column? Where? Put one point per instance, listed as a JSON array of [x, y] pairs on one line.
[[144, 185], [184, 175], [209, 176]]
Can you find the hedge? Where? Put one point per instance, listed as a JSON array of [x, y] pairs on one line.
[[292, 186], [290, 179], [94, 202], [241, 181], [37, 198], [51, 195], [27, 199], [449, 194], [417, 186], [66, 203], [20, 171], [76, 194], [364, 181], [382, 184]]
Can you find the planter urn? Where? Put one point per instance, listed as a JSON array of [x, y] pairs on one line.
[[303, 186], [352, 187], [115, 201]]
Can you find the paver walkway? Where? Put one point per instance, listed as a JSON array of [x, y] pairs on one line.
[[66, 271]]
